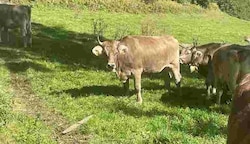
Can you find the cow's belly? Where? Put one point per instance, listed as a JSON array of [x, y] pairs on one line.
[[155, 68], [10, 24]]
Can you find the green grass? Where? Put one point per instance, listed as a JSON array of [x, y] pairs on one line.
[[16, 127], [211, 26], [63, 73]]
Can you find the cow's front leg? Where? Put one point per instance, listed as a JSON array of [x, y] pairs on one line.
[[126, 87], [6, 31], [219, 92], [137, 75], [209, 82], [167, 80], [29, 34]]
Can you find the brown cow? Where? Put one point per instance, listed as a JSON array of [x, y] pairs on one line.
[[228, 65], [133, 55], [199, 58], [239, 119]]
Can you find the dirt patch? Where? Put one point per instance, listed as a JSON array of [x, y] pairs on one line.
[[27, 102]]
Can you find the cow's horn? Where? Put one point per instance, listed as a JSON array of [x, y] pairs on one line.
[[195, 41], [98, 39], [181, 45]]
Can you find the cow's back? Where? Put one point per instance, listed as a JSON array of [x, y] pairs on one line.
[[220, 63], [208, 51], [4, 12], [14, 15], [152, 53], [239, 119], [230, 63], [213, 48]]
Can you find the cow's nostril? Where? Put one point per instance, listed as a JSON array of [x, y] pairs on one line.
[[111, 65]]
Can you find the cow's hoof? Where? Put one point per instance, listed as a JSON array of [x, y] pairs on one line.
[[208, 97], [139, 101]]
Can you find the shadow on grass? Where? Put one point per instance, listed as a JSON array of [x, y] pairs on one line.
[[191, 97], [111, 90], [56, 44], [196, 98], [136, 110], [66, 47], [24, 65], [15, 63]]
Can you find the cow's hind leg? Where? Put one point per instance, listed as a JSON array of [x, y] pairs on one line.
[[209, 81], [29, 34], [219, 93], [167, 79], [177, 75], [137, 75]]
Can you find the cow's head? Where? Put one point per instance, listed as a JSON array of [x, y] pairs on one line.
[[190, 55], [123, 70], [185, 53], [109, 49], [196, 58]]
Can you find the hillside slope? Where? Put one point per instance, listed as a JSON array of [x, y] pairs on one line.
[[64, 77]]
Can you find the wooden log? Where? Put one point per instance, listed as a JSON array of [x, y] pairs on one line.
[[74, 126]]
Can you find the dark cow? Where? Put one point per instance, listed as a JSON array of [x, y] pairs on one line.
[[16, 16], [239, 119], [133, 55], [199, 58], [228, 65]]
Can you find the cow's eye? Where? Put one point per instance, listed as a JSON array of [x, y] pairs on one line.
[[106, 52]]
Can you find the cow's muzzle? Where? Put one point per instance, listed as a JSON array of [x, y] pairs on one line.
[[111, 66], [181, 61]]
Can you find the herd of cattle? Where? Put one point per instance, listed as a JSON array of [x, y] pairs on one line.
[[225, 66]]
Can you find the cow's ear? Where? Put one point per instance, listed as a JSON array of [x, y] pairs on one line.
[[122, 49], [97, 50]]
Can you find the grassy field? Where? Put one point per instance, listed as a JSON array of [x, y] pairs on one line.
[[57, 82]]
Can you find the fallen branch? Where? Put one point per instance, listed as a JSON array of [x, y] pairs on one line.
[[74, 126]]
